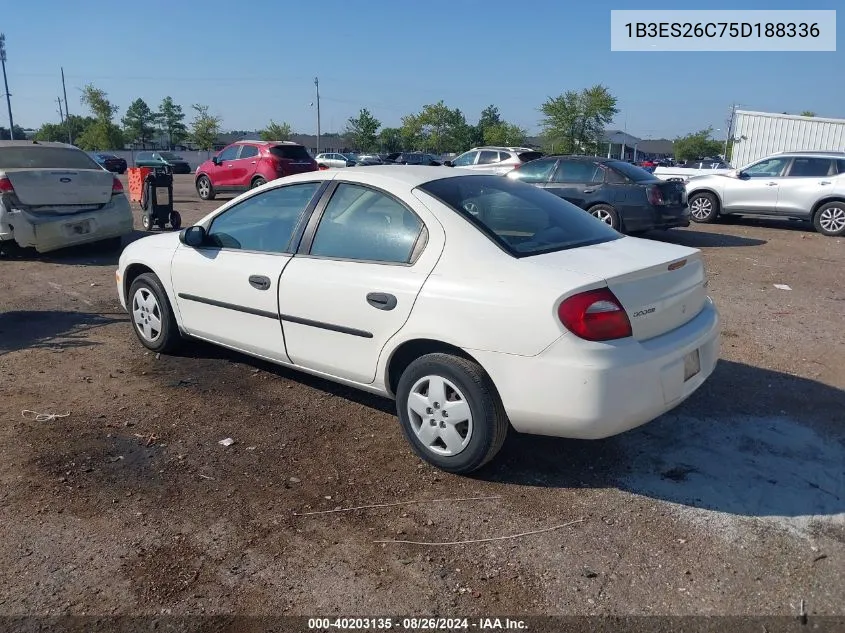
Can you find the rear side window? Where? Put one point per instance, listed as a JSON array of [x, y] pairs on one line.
[[488, 157], [535, 171], [291, 152], [367, 225], [841, 165], [248, 151], [578, 171], [810, 167], [522, 219], [39, 157], [529, 156], [632, 172]]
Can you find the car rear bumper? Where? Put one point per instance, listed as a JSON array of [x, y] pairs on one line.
[[649, 217], [48, 232], [605, 388]]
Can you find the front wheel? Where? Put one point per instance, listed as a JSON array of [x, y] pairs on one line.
[[830, 219], [450, 412], [152, 317], [204, 188], [703, 207]]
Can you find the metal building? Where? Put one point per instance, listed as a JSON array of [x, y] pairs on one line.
[[760, 134]]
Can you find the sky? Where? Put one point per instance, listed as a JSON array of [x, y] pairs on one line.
[[251, 62]]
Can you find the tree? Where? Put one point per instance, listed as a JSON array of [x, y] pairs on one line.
[[205, 127], [139, 122], [437, 128], [411, 133], [171, 121], [363, 131], [390, 139], [504, 134], [103, 133], [58, 132], [809, 113], [20, 135], [276, 132], [489, 117], [697, 145], [575, 121]]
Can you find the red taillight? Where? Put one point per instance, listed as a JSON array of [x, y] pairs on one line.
[[595, 315], [116, 187], [655, 196], [6, 186]]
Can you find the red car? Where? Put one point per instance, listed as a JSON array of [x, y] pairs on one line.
[[244, 165]]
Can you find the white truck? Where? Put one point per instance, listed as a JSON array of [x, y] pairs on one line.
[[702, 167]]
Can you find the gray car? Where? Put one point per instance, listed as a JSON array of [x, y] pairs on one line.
[[806, 186]]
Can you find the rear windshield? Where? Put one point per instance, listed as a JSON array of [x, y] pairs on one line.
[[291, 152], [39, 157], [522, 219], [528, 156], [637, 174]]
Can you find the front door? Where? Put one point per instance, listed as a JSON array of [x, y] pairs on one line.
[[224, 176], [227, 290], [757, 190], [353, 285], [576, 181]]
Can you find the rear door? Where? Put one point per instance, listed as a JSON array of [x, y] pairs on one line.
[[576, 181], [227, 289], [353, 283], [806, 181]]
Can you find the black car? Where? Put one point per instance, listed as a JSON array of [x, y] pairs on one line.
[[415, 158], [625, 196], [110, 162]]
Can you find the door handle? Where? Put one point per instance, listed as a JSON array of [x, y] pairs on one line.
[[382, 300], [259, 281], [824, 182], [589, 190], [252, 163], [771, 184]]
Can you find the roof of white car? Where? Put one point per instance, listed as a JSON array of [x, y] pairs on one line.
[[408, 175], [35, 144]]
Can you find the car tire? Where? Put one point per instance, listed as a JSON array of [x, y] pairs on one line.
[[606, 214], [829, 219], [175, 219], [475, 432], [205, 189], [257, 182], [151, 315], [703, 207]]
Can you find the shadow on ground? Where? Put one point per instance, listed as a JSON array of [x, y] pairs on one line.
[[52, 329], [702, 239], [743, 445]]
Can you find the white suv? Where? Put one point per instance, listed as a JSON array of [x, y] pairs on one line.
[[796, 185], [494, 160]]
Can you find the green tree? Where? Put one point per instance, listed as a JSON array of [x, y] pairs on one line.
[[139, 122], [276, 132], [363, 131], [575, 121], [58, 132], [205, 127], [808, 113], [489, 118], [411, 132], [103, 133], [390, 139], [20, 135], [697, 145], [504, 134], [171, 121]]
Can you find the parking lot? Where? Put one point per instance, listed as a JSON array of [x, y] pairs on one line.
[[733, 503]]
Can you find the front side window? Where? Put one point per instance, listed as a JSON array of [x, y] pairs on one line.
[[768, 168], [524, 220], [465, 159], [535, 171], [367, 225], [810, 167], [264, 222], [230, 153]]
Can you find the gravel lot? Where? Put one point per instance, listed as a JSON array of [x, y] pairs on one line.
[[732, 504]]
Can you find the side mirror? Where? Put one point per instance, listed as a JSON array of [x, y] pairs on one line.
[[193, 236], [448, 163], [215, 160], [741, 175]]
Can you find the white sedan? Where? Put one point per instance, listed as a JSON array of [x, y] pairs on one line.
[[478, 303]]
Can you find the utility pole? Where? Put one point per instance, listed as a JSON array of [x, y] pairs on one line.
[[61, 113], [317, 86], [6, 84], [729, 133], [67, 112]]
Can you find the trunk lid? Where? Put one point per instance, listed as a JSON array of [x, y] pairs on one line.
[[674, 193], [61, 187], [661, 286]]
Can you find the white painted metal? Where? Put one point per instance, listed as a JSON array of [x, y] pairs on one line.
[[760, 134]]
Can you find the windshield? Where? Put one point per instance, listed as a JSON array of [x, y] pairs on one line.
[[522, 219], [637, 174], [37, 157]]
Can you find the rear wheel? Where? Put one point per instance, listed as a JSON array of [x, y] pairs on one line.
[[703, 207], [175, 220], [829, 219], [204, 188], [152, 317], [606, 214], [450, 412], [257, 182]]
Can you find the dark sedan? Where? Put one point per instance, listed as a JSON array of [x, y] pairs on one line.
[[156, 159], [415, 158], [109, 162], [625, 196]]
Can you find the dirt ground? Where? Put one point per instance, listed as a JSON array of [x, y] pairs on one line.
[[732, 504]]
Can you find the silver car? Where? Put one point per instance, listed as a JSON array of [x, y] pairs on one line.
[[797, 185], [494, 160], [334, 159]]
